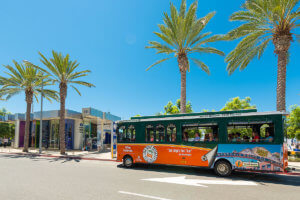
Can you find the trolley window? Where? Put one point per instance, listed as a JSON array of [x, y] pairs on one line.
[[200, 133], [255, 132], [171, 133]]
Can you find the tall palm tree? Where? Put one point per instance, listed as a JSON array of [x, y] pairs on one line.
[[26, 79], [182, 35], [64, 72], [264, 22]]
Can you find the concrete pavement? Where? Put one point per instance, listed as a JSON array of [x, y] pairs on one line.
[[28, 177], [88, 155]]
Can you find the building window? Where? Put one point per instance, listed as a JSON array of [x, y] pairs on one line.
[[171, 133]]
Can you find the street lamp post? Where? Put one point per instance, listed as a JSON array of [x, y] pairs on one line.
[[41, 119]]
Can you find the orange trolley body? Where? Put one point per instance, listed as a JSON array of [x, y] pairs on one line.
[[164, 154]]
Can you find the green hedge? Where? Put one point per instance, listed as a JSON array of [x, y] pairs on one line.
[[7, 130]]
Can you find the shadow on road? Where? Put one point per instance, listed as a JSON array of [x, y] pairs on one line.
[[36, 157], [259, 178]]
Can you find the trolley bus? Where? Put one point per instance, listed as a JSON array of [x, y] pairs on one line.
[[224, 141]]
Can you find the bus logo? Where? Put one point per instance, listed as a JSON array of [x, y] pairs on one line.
[[239, 163], [150, 154]]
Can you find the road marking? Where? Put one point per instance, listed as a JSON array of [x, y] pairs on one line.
[[198, 182], [143, 195]]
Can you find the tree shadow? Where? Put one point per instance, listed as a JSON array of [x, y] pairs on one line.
[[37, 157], [259, 178]]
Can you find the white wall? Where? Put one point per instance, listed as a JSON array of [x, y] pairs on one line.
[[77, 134], [17, 127]]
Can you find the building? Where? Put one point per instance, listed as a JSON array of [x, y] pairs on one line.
[[82, 129]]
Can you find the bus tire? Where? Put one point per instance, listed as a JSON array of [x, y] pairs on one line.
[[128, 161], [223, 168]]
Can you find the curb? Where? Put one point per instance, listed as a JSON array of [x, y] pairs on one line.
[[61, 157]]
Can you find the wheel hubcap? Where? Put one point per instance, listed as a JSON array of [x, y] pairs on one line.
[[128, 162], [222, 168]]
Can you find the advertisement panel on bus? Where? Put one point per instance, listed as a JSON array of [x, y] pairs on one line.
[[241, 156]]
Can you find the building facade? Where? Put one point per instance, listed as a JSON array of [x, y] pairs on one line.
[[83, 130]]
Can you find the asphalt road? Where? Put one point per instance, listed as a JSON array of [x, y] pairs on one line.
[[49, 178]]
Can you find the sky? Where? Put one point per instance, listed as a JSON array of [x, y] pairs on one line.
[[109, 38]]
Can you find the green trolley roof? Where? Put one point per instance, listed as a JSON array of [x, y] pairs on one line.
[[203, 115], [197, 114]]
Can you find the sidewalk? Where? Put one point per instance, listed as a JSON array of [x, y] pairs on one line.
[[73, 154]]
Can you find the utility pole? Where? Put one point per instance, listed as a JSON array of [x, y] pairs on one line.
[[102, 131], [41, 119]]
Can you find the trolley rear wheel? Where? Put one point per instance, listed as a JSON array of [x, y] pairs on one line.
[[223, 168]]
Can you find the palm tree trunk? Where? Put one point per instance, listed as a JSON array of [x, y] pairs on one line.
[[282, 45], [29, 96], [183, 64], [183, 92], [281, 82], [62, 135]]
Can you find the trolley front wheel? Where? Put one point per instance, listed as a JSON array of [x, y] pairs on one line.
[[128, 161]]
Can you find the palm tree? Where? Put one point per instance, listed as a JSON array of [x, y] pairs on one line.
[[64, 72], [182, 35], [29, 80], [263, 22]]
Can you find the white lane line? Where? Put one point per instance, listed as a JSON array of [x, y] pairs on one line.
[[143, 195], [198, 182]]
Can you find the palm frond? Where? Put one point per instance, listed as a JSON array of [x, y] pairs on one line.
[[241, 57], [82, 83], [156, 63], [12, 72], [247, 16], [181, 32], [160, 47], [202, 65], [199, 37], [188, 25], [49, 94], [76, 90], [50, 67], [165, 36], [7, 93], [261, 20], [195, 33], [182, 9], [207, 18], [76, 75], [208, 50], [23, 78], [64, 70], [214, 38]]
